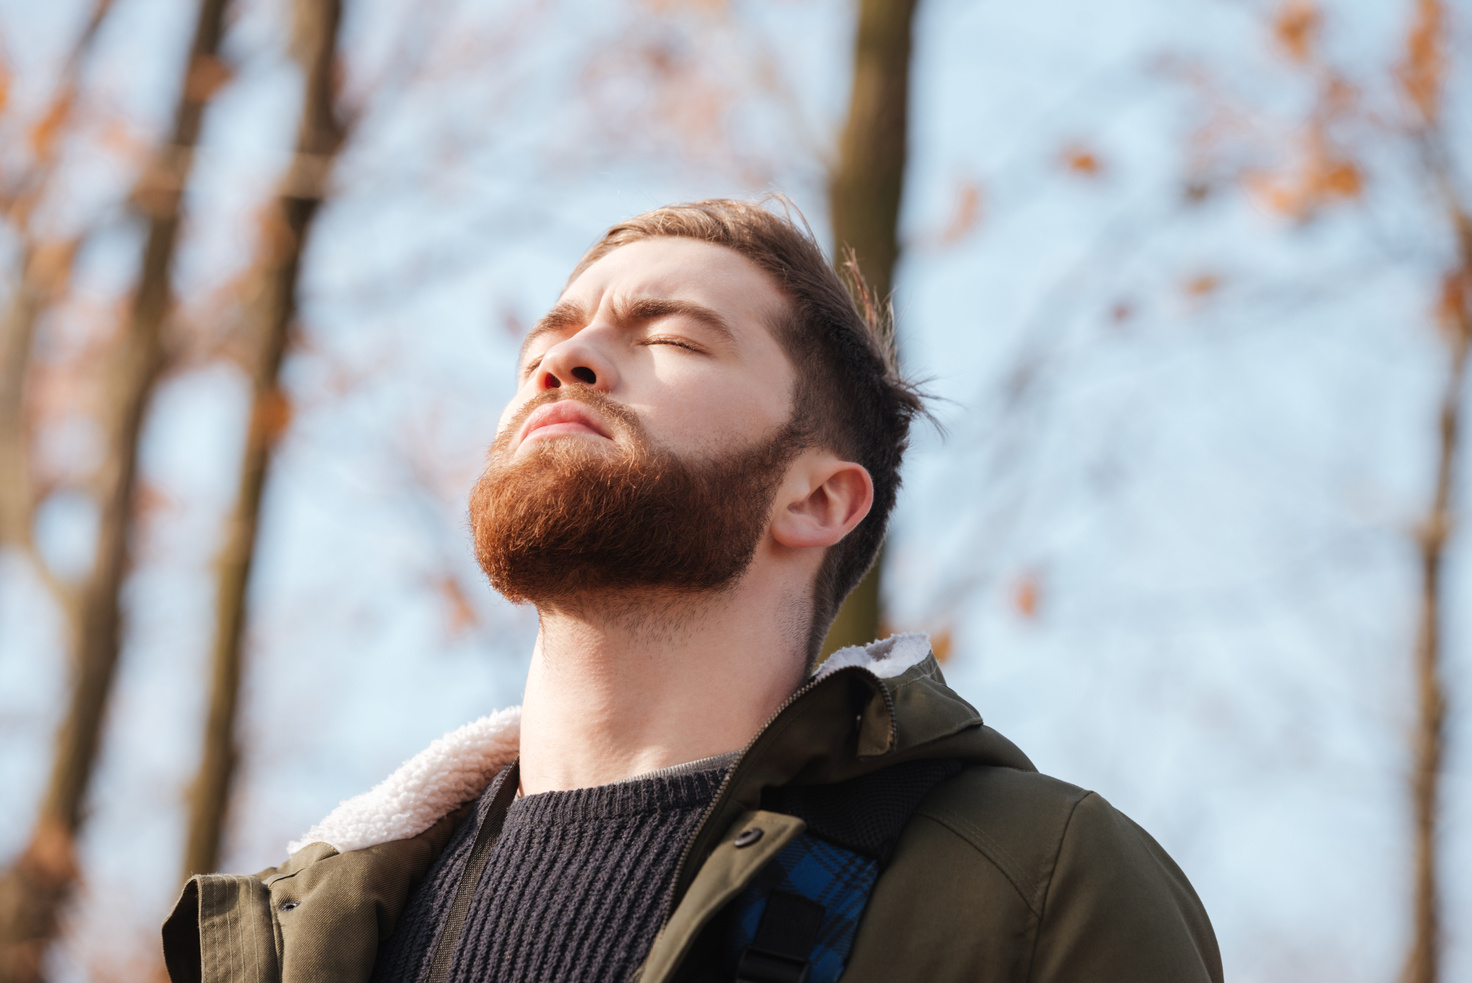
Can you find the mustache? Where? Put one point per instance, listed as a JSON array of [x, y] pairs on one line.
[[622, 420]]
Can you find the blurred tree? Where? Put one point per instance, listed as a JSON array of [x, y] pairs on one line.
[[43, 270], [864, 203], [38, 882], [1422, 75], [271, 313], [1360, 124]]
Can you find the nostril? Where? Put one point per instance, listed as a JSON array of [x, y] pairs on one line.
[[585, 375], [552, 382]]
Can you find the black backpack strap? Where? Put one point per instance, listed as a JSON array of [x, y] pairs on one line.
[[864, 814], [784, 941]]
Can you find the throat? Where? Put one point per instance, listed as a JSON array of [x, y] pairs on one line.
[[633, 685]]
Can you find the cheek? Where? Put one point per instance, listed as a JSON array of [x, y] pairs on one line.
[[716, 413]]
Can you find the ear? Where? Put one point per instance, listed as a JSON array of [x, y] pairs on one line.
[[821, 500]]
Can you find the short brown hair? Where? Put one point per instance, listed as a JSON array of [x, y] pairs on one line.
[[850, 397]]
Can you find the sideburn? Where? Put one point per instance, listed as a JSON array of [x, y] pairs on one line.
[[568, 520]]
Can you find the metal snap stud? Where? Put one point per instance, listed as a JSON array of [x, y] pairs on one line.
[[747, 836]]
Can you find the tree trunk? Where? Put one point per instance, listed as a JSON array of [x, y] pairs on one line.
[[864, 201], [273, 310], [1429, 741], [15, 356], [34, 888]]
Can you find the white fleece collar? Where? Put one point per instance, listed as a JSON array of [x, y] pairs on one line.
[[886, 659], [457, 767]]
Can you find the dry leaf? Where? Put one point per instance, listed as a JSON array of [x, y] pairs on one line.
[[153, 501], [1452, 314], [51, 265], [1202, 285], [273, 414], [1026, 595], [1296, 29], [1081, 160], [207, 76], [1424, 69], [46, 130], [460, 611], [965, 216]]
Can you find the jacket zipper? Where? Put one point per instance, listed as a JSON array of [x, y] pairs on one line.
[[675, 885]]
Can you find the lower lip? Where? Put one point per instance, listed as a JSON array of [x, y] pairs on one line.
[[557, 429]]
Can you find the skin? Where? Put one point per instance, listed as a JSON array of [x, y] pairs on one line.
[[621, 685]]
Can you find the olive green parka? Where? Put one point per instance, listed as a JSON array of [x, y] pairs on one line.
[[1000, 874]]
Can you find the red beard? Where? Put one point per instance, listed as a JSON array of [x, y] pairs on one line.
[[569, 519]]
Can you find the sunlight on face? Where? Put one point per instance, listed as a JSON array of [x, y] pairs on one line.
[[676, 330]]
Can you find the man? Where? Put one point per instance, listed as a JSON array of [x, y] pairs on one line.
[[698, 465]]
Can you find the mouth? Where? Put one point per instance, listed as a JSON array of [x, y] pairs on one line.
[[565, 417]]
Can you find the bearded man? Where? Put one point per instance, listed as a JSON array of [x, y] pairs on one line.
[[697, 466]]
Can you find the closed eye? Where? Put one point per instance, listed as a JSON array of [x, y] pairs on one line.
[[670, 340]]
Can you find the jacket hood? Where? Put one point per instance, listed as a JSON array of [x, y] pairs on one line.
[[890, 693]]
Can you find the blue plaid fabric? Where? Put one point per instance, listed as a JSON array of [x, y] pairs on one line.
[[838, 879]]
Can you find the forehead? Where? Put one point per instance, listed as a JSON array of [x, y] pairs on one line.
[[683, 269]]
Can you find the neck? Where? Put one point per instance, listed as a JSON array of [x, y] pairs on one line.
[[623, 685]]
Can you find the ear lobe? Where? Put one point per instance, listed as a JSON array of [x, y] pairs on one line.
[[834, 498]]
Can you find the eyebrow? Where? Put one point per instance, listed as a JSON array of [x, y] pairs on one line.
[[569, 314]]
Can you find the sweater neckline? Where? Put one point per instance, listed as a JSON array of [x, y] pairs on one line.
[[637, 796]]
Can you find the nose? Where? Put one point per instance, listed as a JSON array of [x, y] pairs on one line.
[[576, 361]]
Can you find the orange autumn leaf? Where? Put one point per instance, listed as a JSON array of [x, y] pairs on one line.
[[44, 133], [1296, 28], [1452, 313], [966, 215], [1274, 191], [1203, 285], [51, 264], [1340, 179], [207, 76], [153, 501], [1081, 160], [460, 611], [1321, 175], [273, 414], [1025, 595], [1424, 69]]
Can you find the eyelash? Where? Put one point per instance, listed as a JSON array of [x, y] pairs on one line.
[[665, 340]]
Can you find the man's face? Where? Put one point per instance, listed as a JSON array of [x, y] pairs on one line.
[[648, 434], [676, 331]]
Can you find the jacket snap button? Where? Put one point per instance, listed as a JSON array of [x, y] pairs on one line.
[[747, 836]]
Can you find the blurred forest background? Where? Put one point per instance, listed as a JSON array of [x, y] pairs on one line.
[[1192, 278]]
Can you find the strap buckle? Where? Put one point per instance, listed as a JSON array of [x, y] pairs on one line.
[[783, 944]]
